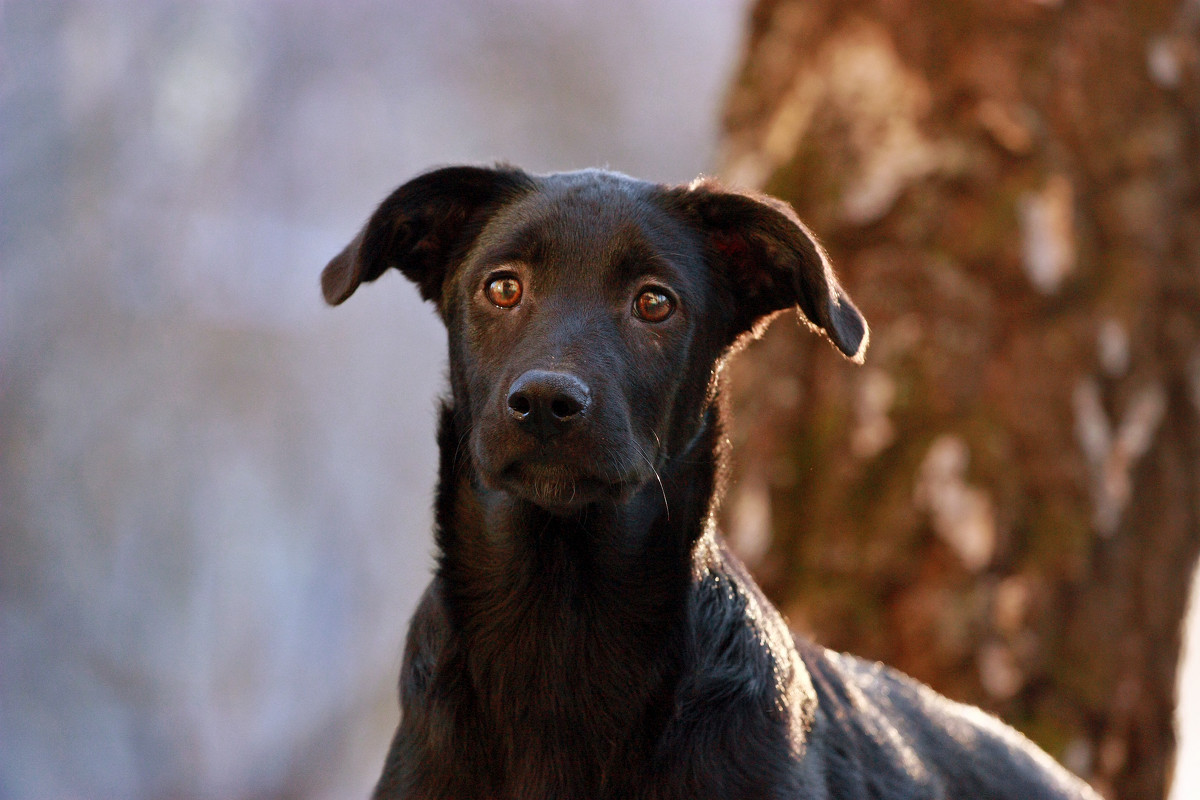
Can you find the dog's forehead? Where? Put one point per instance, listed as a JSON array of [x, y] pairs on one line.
[[594, 218]]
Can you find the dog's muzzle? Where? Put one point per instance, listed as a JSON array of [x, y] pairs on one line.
[[553, 444]]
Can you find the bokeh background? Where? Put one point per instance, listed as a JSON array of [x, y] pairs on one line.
[[214, 492]]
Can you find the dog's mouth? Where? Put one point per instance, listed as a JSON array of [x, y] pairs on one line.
[[559, 488], [563, 474]]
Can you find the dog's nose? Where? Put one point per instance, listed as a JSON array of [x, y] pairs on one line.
[[546, 401]]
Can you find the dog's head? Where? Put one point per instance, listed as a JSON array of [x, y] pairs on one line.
[[588, 312]]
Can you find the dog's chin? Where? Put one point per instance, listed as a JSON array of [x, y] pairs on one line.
[[557, 488]]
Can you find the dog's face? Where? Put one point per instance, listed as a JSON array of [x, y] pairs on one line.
[[587, 312], [574, 320]]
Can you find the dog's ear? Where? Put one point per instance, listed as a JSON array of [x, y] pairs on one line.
[[420, 228], [770, 261]]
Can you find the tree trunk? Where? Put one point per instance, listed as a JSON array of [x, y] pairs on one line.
[[1005, 501]]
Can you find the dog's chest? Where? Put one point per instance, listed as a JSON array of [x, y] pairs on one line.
[[567, 702], [566, 713]]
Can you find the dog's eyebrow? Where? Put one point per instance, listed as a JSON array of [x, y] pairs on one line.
[[636, 256], [526, 245], [637, 263]]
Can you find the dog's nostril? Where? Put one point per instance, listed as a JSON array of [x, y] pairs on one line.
[[563, 407], [520, 404]]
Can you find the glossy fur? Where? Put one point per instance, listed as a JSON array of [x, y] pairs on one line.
[[586, 634]]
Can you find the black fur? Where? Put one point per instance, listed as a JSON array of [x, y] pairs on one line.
[[586, 634]]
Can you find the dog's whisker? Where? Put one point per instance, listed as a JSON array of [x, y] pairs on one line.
[[461, 441], [658, 477]]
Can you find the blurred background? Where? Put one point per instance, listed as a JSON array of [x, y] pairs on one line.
[[214, 492]]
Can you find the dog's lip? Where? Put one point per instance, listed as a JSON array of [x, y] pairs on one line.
[[555, 486]]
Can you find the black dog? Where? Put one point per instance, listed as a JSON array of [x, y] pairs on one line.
[[586, 634]]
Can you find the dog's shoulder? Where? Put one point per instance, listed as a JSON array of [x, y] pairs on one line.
[[743, 702], [879, 733], [427, 635], [737, 643], [847, 728], [428, 693]]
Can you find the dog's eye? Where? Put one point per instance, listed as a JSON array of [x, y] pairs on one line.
[[504, 292], [653, 305]]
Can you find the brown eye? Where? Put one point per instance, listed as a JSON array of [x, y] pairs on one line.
[[504, 292], [653, 305]]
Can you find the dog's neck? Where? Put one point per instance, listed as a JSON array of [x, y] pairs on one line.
[[565, 621]]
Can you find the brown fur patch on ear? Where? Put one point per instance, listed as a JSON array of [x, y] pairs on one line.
[[741, 258], [730, 245], [772, 261]]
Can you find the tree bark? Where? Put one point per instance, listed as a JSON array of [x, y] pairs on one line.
[[1005, 500]]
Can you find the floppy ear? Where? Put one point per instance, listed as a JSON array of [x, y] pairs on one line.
[[420, 228], [769, 261]]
